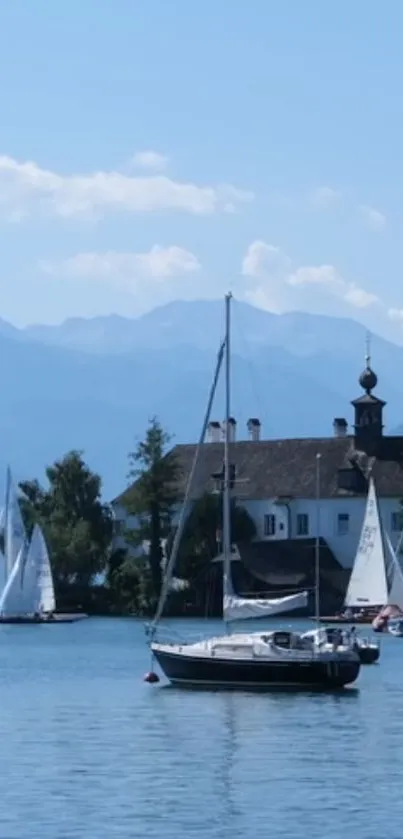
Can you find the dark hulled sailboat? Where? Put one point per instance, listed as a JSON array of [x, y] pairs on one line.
[[279, 659]]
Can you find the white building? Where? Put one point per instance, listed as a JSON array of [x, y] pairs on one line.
[[277, 482]]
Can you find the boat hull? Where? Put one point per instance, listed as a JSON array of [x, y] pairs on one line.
[[364, 619], [56, 619], [199, 671], [369, 654]]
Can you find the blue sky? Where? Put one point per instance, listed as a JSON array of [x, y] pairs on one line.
[[273, 133]]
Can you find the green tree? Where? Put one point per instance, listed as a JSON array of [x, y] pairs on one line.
[[77, 526], [152, 497], [131, 587], [201, 541]]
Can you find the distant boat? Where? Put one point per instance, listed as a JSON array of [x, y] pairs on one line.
[[391, 617], [367, 590], [395, 627], [27, 594]]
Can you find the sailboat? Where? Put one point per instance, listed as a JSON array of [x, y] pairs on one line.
[[367, 589], [27, 595], [266, 659], [368, 586], [25, 589], [391, 616]]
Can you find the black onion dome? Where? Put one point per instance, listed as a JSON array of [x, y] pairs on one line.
[[368, 379]]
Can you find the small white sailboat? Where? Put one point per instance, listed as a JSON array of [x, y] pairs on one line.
[[368, 588], [27, 592]]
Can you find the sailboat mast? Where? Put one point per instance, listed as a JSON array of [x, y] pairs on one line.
[[227, 585], [317, 543]]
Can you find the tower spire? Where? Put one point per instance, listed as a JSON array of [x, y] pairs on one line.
[[368, 349]]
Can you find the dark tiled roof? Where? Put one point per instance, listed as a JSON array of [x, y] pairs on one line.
[[287, 468]]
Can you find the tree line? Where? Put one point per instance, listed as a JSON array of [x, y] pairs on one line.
[[90, 572]]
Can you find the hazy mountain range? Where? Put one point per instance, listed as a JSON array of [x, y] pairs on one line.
[[93, 384]]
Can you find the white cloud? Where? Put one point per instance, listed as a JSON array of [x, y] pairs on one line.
[[150, 160], [26, 189], [278, 289], [373, 218], [323, 197], [262, 259], [319, 275], [126, 269], [269, 266], [396, 315], [359, 297], [327, 277]]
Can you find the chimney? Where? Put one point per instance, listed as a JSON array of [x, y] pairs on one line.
[[254, 427], [232, 430], [214, 432], [340, 427]]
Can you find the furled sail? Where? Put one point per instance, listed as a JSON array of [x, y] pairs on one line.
[[368, 583], [242, 608]]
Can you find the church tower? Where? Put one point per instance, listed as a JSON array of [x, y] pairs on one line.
[[368, 420]]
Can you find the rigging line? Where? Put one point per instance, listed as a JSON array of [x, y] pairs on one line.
[[182, 518], [257, 393]]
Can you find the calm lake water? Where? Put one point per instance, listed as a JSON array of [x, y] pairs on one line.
[[88, 750]]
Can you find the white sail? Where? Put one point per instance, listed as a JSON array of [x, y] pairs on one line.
[[368, 584], [38, 551], [242, 608], [396, 583], [12, 598], [3, 570], [29, 588], [15, 537], [3, 574]]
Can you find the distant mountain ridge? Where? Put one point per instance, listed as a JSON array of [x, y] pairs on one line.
[[94, 384], [200, 324]]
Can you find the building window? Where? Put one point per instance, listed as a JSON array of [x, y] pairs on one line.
[[397, 521], [302, 524], [270, 525], [343, 520], [118, 527]]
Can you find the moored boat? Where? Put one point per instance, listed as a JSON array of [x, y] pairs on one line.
[[280, 659], [395, 627]]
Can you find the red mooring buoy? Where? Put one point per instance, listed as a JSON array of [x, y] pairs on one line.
[[152, 678]]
